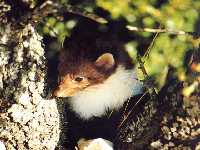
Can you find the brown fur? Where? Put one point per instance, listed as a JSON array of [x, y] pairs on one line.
[[78, 57]]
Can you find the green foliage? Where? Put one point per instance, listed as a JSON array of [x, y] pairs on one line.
[[57, 28], [167, 50]]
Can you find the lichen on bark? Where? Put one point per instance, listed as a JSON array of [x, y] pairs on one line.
[[27, 120]]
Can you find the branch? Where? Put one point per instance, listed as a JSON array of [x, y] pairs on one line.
[[169, 31], [50, 7]]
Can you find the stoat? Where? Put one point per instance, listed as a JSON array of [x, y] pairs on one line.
[[96, 78]]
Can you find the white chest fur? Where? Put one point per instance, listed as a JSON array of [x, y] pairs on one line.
[[111, 94]]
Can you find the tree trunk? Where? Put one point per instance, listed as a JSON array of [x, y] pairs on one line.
[[27, 120]]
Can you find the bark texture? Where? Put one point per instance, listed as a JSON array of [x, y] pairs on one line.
[[27, 120]]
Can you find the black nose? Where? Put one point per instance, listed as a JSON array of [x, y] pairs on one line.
[[48, 92]]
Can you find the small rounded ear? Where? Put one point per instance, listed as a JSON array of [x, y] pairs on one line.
[[105, 61]]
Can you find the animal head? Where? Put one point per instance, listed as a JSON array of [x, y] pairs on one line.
[[77, 74]]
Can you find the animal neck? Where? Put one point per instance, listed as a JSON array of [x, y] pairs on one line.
[[109, 95]]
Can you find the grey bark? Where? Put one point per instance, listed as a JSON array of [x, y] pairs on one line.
[[27, 121]]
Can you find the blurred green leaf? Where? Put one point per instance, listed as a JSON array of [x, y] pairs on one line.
[[167, 50]]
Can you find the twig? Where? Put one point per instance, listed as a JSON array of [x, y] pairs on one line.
[[84, 13], [150, 46], [169, 31], [50, 7], [151, 88], [126, 107], [126, 117], [58, 8]]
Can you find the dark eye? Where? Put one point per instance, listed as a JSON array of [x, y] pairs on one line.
[[90, 78], [78, 79]]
